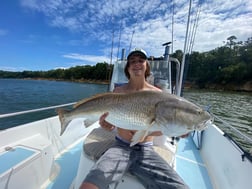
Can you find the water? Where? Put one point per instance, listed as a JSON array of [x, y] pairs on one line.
[[233, 108], [19, 95]]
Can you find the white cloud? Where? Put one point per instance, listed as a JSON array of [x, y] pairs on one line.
[[12, 69], [150, 21], [221, 19], [88, 58]]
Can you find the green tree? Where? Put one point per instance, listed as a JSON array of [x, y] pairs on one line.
[[231, 41], [100, 71]]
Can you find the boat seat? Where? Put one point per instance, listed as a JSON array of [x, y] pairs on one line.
[[99, 140]]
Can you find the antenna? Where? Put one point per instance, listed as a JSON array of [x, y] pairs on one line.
[[168, 43]]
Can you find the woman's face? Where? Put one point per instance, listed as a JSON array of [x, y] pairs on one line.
[[137, 66]]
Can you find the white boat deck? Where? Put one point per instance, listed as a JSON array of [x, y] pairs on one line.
[[189, 166], [68, 162]]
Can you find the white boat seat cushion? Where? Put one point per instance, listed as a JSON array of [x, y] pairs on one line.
[[99, 140]]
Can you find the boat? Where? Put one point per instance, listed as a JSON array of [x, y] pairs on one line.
[[34, 155]]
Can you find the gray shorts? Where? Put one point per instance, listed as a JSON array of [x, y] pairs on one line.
[[141, 161]]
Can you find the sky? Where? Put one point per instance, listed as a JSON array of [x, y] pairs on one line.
[[49, 34]]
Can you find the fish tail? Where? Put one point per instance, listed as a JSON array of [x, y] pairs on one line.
[[64, 122]]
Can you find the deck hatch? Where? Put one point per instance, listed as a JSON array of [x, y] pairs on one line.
[[14, 157]]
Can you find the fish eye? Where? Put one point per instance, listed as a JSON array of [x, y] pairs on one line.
[[199, 112], [212, 119]]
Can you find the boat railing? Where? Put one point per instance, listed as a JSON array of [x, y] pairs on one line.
[[35, 110]]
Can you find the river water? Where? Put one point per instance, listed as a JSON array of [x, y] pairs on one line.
[[18, 95], [231, 110]]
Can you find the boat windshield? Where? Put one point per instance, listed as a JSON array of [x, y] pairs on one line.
[[160, 74]]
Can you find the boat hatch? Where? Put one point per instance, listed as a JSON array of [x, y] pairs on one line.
[[13, 157]]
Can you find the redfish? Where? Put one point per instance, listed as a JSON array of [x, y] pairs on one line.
[[144, 111]]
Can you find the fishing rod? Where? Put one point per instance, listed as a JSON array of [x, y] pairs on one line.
[[184, 54]]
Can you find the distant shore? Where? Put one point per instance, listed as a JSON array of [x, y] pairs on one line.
[[245, 87], [72, 80]]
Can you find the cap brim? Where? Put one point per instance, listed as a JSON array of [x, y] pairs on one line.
[[137, 53]]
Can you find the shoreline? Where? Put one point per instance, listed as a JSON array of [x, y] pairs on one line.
[[70, 80], [246, 87]]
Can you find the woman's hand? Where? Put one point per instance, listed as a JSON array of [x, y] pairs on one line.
[[104, 124]]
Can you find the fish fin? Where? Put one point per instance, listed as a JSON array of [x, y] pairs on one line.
[[138, 137], [141, 134], [91, 98], [88, 122], [63, 121]]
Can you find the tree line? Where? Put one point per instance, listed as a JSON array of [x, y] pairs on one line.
[[230, 63], [100, 71]]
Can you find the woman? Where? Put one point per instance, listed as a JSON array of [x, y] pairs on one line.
[[140, 160]]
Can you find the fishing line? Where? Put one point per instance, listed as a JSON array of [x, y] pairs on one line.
[[137, 21], [119, 40], [194, 29]]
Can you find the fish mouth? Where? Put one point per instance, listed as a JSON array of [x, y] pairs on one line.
[[204, 124], [208, 122]]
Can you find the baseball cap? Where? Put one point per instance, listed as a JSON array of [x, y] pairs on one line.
[[138, 51]]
